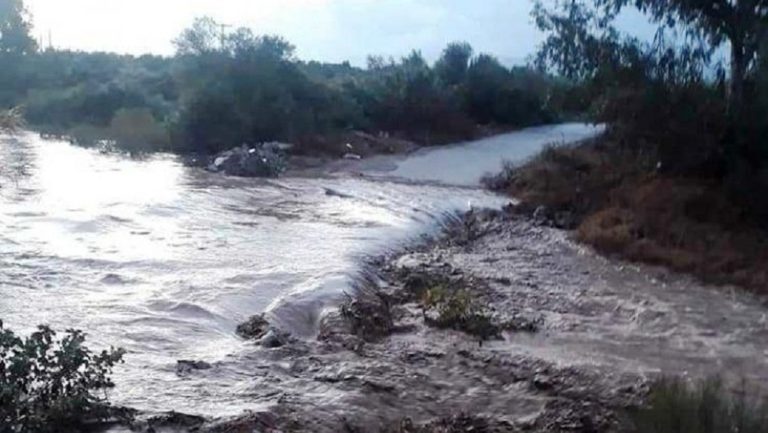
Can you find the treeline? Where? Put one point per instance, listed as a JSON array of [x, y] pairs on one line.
[[224, 89]]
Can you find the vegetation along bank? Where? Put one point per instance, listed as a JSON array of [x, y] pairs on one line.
[[681, 177], [222, 90]]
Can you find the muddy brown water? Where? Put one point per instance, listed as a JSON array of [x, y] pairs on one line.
[[165, 260]]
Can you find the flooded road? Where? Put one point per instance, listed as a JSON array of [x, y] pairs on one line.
[[165, 260]]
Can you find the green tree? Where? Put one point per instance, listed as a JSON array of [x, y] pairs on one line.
[[15, 26], [204, 36], [15, 46], [740, 25], [237, 87], [656, 95], [452, 66], [494, 94]]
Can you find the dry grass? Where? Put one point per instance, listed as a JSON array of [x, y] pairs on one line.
[[624, 207], [683, 224]]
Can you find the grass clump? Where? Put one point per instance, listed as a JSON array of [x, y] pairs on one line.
[[449, 308], [678, 407], [50, 384]]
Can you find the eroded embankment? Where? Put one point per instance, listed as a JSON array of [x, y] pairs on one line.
[[574, 339]]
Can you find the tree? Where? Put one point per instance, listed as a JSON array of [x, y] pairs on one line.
[[15, 26], [452, 66], [205, 36], [741, 24], [237, 87]]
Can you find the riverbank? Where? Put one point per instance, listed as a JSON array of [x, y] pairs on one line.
[[619, 201], [550, 338], [309, 156]]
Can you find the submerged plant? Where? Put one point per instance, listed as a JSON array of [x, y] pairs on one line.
[[457, 309], [50, 384]]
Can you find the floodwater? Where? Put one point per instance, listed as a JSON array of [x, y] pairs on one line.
[[165, 260]]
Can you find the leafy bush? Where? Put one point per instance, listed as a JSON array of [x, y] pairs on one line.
[[136, 130], [677, 407], [50, 384]]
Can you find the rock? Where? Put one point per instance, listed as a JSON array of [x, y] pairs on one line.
[[151, 423], [379, 387], [265, 160], [565, 220], [334, 193], [417, 283], [504, 281], [254, 328], [274, 338], [276, 146], [368, 314], [542, 382], [186, 366], [250, 422]]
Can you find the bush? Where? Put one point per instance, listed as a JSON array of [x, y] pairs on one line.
[[457, 309], [49, 384], [137, 131], [677, 407]]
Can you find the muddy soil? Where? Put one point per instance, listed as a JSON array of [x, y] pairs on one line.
[[603, 330]]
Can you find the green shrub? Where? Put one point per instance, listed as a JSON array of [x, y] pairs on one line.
[[708, 407], [50, 384], [136, 131], [457, 309]]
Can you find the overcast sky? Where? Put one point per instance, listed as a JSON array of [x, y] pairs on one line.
[[327, 30]]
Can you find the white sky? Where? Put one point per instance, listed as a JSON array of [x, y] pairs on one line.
[[326, 30]]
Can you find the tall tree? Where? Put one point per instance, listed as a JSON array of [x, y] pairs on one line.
[[741, 24], [15, 27], [452, 65]]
